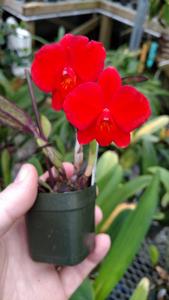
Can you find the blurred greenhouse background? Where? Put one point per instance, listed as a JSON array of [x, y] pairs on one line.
[[133, 183]]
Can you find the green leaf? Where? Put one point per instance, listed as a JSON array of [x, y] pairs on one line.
[[35, 161], [22, 98], [165, 13], [150, 127], [122, 193], [45, 185], [165, 200], [60, 145], [105, 164], [154, 7], [103, 181], [68, 156], [116, 224], [5, 165], [5, 83], [149, 156], [129, 158], [13, 116], [142, 290], [50, 152], [164, 175], [159, 216], [2, 39], [108, 184], [46, 125], [61, 32], [128, 241], [84, 292], [154, 254], [39, 39]]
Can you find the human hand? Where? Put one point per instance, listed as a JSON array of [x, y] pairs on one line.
[[21, 277]]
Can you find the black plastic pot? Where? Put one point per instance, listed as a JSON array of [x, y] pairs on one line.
[[61, 226]]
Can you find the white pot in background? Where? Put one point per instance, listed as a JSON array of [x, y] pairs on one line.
[[20, 41]]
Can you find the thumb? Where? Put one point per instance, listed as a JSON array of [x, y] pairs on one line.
[[18, 197]]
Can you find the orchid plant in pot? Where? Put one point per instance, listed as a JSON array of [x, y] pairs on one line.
[[103, 111]]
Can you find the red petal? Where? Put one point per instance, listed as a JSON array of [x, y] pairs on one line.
[[57, 100], [87, 59], [68, 40], [121, 138], [47, 65], [129, 108], [110, 82], [83, 105], [105, 135], [86, 136]]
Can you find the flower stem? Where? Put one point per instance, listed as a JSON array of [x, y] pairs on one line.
[[37, 116], [92, 161], [51, 177], [34, 104], [78, 155]]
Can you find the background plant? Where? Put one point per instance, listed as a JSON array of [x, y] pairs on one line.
[[160, 9]]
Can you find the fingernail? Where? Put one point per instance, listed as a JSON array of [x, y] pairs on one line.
[[21, 176]]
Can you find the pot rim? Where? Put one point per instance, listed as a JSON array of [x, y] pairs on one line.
[[65, 201]]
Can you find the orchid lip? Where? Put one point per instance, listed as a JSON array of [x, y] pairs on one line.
[[68, 71], [69, 78], [105, 121], [106, 115]]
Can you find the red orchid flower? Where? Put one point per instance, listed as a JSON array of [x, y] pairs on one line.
[[59, 67], [106, 111]]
